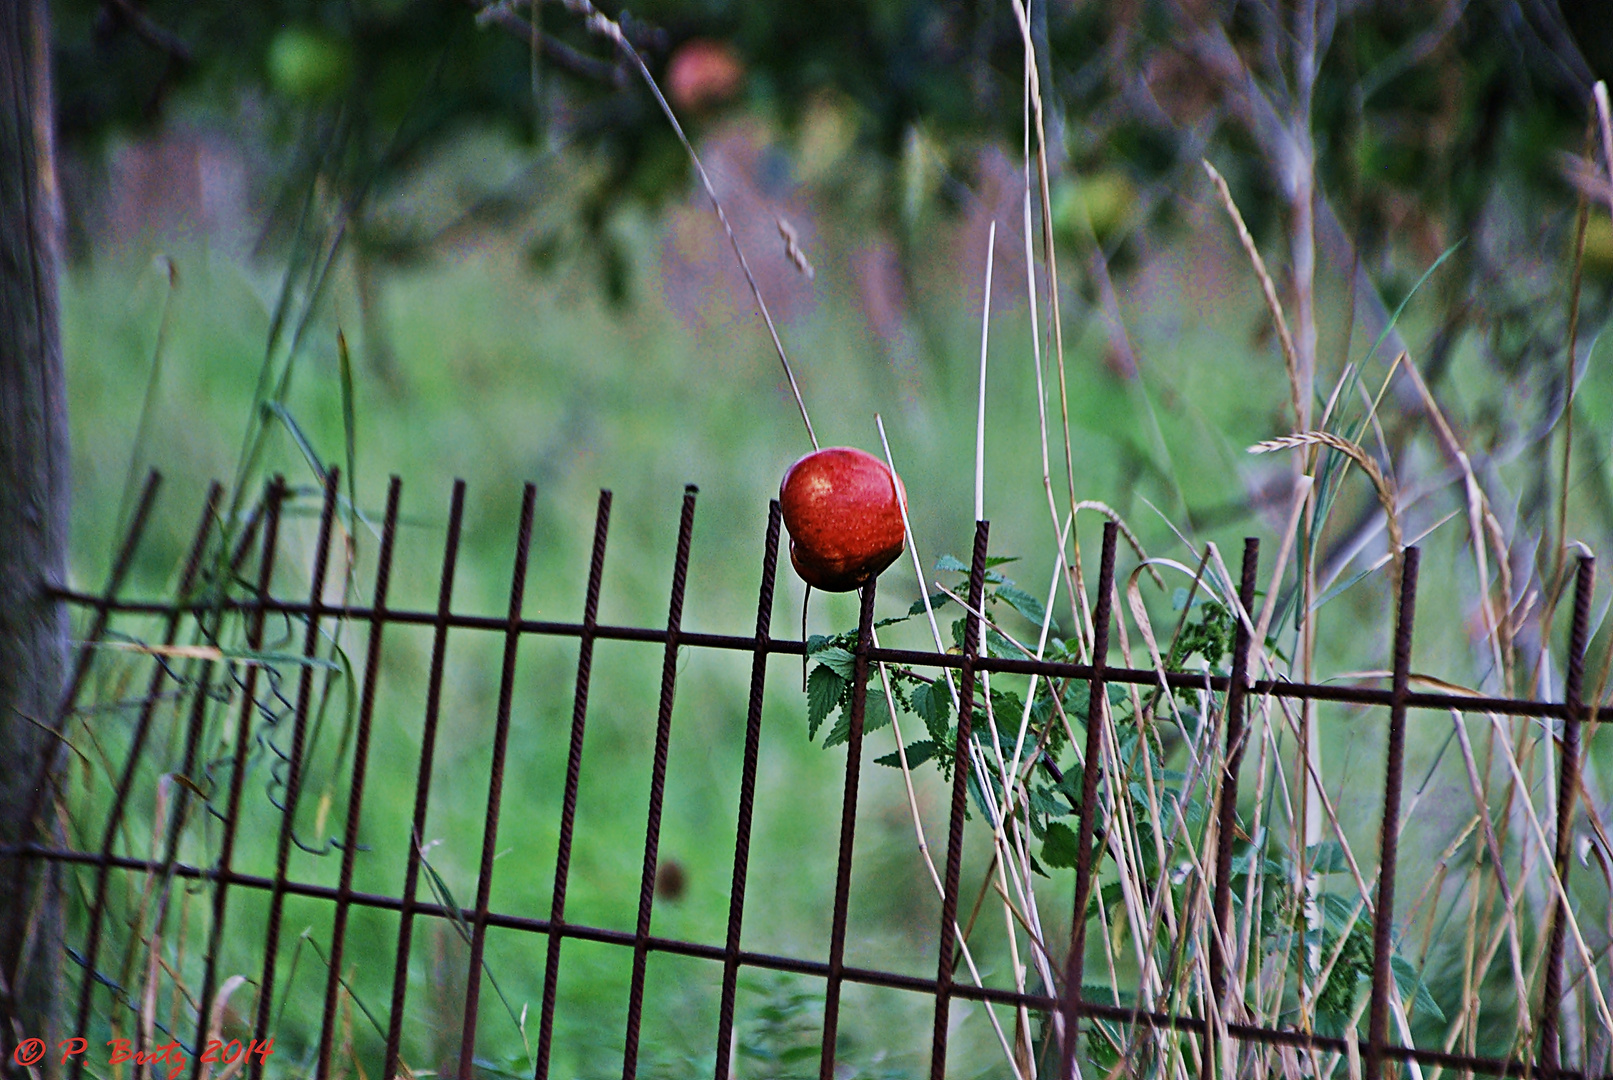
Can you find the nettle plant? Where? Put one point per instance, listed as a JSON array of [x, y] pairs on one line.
[[1313, 941]]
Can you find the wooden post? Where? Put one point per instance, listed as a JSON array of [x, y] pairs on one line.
[[33, 518]]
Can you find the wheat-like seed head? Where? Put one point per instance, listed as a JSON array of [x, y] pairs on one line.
[[1380, 483]]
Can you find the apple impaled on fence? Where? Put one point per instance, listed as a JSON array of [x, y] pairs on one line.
[[843, 510]]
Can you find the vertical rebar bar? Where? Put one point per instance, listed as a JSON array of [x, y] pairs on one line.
[[495, 784], [114, 582], [568, 806], [1227, 817], [273, 496], [960, 795], [299, 734], [1380, 1051], [86, 649], [747, 794], [422, 796], [1551, 1001], [120, 798], [361, 760], [1097, 717], [848, 836], [652, 827], [1383, 918]]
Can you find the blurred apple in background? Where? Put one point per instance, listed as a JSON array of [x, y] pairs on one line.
[[1104, 199], [702, 73], [308, 64]]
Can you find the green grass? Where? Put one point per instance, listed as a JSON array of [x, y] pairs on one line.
[[507, 377]]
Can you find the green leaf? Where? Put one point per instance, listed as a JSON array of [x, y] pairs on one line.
[[824, 688], [1327, 857], [876, 714], [1045, 805], [947, 563], [1008, 706], [999, 646], [1061, 848], [1024, 603], [917, 754], [839, 660], [344, 368], [1338, 911], [1394, 319], [937, 600], [1414, 989], [934, 706]]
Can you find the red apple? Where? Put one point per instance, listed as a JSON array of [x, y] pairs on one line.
[[702, 73], [845, 521]]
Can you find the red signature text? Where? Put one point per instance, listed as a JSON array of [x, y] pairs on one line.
[[30, 1052]]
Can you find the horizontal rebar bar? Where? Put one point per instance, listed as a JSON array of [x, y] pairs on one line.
[[1398, 696], [1180, 680], [791, 965]]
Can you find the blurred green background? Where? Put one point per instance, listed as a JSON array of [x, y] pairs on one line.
[[534, 290]]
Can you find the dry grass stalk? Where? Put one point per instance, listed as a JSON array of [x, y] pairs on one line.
[[792, 250], [985, 340], [1484, 527], [929, 862], [1267, 288], [1030, 917], [611, 31]]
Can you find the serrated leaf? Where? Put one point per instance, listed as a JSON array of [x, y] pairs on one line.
[[947, 563], [839, 660], [937, 600], [1338, 910], [876, 714], [977, 795], [1024, 603], [999, 646], [817, 643], [1007, 703], [917, 754], [934, 706], [824, 687], [1061, 848]]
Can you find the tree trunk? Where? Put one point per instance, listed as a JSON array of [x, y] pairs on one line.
[[33, 519]]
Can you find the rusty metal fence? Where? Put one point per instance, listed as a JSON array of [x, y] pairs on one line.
[[259, 535]]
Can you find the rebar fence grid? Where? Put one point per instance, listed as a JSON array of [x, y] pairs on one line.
[[262, 531]]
